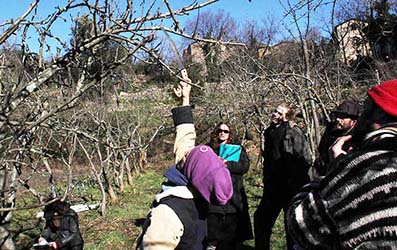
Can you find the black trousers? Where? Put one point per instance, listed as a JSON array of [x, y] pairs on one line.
[[223, 229], [266, 215]]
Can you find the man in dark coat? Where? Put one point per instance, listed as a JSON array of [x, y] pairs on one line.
[[285, 169], [355, 205], [343, 120]]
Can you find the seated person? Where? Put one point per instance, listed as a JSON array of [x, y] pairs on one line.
[[61, 230]]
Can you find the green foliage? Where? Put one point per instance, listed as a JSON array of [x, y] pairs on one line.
[[195, 72], [212, 61], [252, 183], [26, 228]]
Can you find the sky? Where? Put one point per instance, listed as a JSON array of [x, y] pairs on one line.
[[241, 10]]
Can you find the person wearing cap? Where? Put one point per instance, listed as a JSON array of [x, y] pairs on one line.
[[61, 230], [177, 218], [355, 205], [286, 161], [343, 119]]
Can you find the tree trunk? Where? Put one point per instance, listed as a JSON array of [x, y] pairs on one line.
[[311, 100], [142, 159], [121, 174], [128, 168], [112, 194], [6, 242]]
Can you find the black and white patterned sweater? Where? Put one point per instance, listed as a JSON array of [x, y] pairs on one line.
[[355, 205]]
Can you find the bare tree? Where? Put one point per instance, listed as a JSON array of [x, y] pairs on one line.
[[302, 69], [43, 94], [220, 26]]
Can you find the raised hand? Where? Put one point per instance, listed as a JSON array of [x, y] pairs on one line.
[[336, 148], [183, 91]]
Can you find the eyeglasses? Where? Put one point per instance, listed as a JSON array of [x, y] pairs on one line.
[[223, 131]]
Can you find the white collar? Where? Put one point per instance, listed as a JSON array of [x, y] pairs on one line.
[[178, 191]]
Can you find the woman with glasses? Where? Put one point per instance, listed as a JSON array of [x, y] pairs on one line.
[[229, 225]]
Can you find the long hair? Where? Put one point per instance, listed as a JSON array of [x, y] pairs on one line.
[[214, 141]]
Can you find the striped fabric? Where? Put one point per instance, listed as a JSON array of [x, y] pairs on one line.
[[355, 205]]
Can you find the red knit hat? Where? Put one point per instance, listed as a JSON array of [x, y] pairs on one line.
[[385, 96]]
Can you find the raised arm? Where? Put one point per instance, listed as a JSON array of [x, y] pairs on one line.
[[183, 121]]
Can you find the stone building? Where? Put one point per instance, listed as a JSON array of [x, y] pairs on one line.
[[203, 54], [351, 41]]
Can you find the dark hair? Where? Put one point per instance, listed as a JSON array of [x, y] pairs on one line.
[[59, 207], [214, 141], [372, 113]]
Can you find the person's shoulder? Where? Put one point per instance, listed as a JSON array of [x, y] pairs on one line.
[[181, 192], [270, 127], [211, 145], [237, 143], [70, 212], [294, 128]]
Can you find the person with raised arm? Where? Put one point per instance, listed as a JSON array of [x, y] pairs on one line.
[[177, 218]]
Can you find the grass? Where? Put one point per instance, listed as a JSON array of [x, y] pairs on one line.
[[117, 229], [254, 193]]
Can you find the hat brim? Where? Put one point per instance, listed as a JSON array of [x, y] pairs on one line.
[[344, 115]]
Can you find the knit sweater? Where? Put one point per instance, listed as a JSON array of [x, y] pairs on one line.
[[355, 205]]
